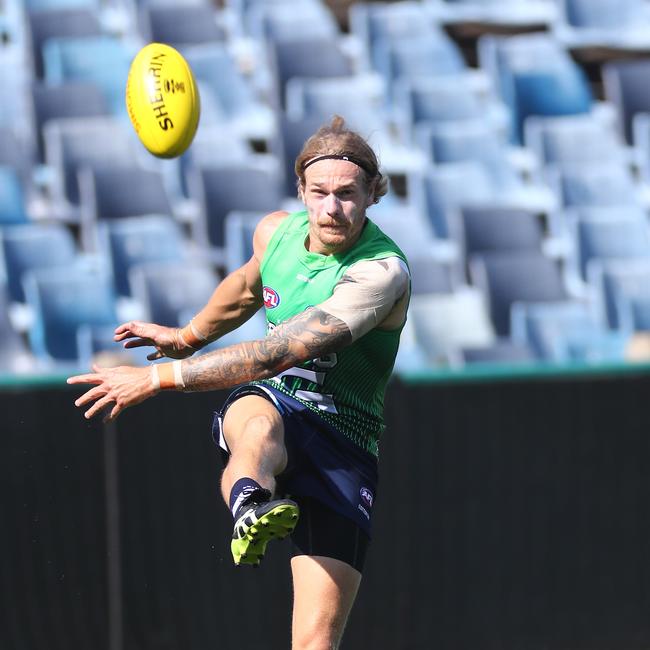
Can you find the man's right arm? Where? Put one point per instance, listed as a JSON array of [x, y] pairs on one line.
[[233, 302]]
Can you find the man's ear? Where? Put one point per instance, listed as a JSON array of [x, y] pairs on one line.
[[301, 192], [371, 200]]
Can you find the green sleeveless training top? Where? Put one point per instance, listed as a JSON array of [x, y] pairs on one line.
[[346, 388]]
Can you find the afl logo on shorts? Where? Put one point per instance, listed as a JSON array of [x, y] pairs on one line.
[[271, 298], [366, 496]]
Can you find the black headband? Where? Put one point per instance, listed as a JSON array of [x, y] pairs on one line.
[[337, 156]]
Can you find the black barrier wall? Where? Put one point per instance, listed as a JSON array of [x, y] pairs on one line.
[[512, 515]]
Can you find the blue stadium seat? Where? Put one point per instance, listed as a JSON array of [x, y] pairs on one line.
[[244, 111], [442, 190], [315, 58], [573, 140], [115, 193], [444, 323], [610, 238], [614, 282], [438, 100], [132, 241], [472, 140], [500, 229], [615, 24], [34, 246], [181, 26], [429, 275], [502, 351], [14, 354], [13, 209], [625, 86], [412, 58], [566, 331], [637, 311], [59, 23], [509, 278], [16, 152], [222, 189], [63, 300], [534, 75], [239, 228], [596, 184], [71, 145], [172, 290], [101, 60], [390, 22], [286, 21], [67, 100], [520, 15]]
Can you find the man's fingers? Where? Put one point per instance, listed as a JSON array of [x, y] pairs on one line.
[[115, 411], [138, 343], [85, 379], [91, 395], [98, 406]]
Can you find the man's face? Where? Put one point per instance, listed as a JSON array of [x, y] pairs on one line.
[[336, 198]]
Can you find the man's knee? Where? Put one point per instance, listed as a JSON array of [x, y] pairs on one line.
[[252, 421], [319, 632]]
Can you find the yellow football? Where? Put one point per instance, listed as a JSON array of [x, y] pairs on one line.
[[162, 100]]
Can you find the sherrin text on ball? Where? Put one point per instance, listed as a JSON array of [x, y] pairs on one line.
[[162, 100]]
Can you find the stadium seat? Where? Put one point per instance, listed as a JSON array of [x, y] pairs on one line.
[[115, 193], [59, 23], [169, 291], [496, 229], [470, 140], [67, 100], [429, 275], [71, 145], [412, 58], [445, 323], [614, 24], [625, 86], [374, 22], [63, 300], [596, 184], [132, 241], [239, 228], [509, 278], [14, 354], [614, 282], [442, 190], [13, 209], [510, 15], [635, 310], [315, 58], [566, 331], [286, 21], [243, 110], [534, 76], [221, 189], [610, 238], [101, 60], [445, 99], [406, 226], [502, 351], [34, 246], [576, 139], [181, 26], [16, 152]]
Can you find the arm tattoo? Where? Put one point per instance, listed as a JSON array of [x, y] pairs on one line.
[[311, 334]]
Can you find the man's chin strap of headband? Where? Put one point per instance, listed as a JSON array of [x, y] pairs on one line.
[[337, 156]]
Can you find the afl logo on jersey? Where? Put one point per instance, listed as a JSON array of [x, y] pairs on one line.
[[366, 496], [271, 298]]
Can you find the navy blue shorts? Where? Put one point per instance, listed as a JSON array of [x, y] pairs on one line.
[[322, 463]]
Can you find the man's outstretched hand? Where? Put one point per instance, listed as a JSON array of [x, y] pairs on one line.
[[120, 387], [166, 340]]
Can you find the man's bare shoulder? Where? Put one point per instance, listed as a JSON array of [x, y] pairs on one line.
[[265, 229]]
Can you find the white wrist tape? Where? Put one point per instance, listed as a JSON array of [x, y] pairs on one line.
[[167, 376]]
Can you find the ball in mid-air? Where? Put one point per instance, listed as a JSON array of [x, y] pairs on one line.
[[162, 100]]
